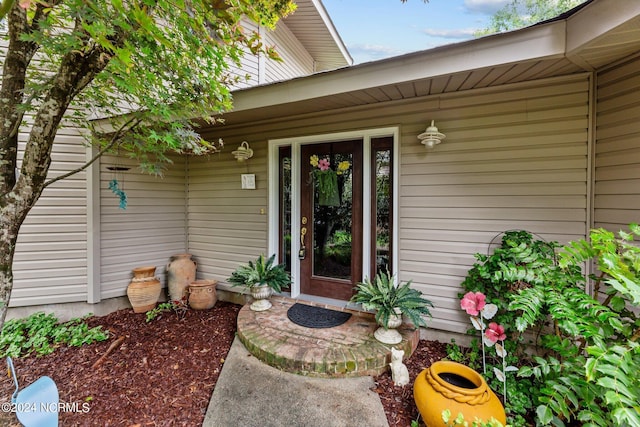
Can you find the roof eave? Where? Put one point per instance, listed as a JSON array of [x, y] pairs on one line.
[[538, 42]]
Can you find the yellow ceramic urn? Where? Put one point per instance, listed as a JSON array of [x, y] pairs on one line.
[[458, 388]]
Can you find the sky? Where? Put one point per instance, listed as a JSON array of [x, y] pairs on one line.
[[377, 29]]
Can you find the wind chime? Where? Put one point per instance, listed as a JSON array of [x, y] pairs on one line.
[[117, 185]]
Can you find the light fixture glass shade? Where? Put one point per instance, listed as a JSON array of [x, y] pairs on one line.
[[243, 152], [431, 137]]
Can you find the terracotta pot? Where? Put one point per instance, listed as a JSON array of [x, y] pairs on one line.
[[458, 388], [144, 289], [202, 294], [261, 296], [181, 271]]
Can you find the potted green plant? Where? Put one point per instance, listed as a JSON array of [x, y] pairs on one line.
[[390, 301], [262, 277]]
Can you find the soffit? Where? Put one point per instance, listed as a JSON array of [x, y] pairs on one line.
[[312, 26], [601, 33]]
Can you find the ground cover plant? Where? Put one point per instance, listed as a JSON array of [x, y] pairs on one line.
[[583, 330], [42, 333]]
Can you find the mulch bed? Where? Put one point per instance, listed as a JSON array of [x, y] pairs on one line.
[[164, 371]]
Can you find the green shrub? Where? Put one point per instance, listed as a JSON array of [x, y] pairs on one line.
[[585, 329]]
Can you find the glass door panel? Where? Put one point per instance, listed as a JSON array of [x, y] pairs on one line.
[[381, 204], [331, 218]]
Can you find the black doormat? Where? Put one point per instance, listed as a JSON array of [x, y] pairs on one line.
[[316, 317]]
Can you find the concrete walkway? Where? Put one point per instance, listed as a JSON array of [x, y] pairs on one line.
[[250, 393]]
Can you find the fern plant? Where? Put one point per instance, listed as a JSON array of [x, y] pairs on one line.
[[261, 272], [385, 296], [591, 376]]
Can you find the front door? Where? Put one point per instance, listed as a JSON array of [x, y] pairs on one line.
[[331, 218]]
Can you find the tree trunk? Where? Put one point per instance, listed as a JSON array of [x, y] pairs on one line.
[[76, 70], [10, 222]]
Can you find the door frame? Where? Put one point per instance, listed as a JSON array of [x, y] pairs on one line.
[[273, 195]]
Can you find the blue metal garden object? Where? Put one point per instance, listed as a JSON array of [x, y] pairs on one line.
[[37, 404]]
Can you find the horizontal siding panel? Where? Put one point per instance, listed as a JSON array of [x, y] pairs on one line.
[[496, 201], [617, 154], [216, 225], [617, 172], [215, 203], [148, 231], [434, 268], [45, 273], [629, 157], [506, 179], [38, 228], [612, 187], [39, 256], [613, 145], [498, 96], [489, 166], [539, 154], [497, 213], [222, 232], [59, 237], [492, 225], [149, 224], [48, 219], [628, 201], [226, 245], [440, 257], [620, 216], [22, 300], [518, 190]]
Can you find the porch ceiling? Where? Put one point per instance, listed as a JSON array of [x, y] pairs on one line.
[[599, 34]]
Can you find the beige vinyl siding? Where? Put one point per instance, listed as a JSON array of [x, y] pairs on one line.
[[249, 69], [617, 158], [227, 225], [50, 264], [148, 231], [296, 61], [514, 157]]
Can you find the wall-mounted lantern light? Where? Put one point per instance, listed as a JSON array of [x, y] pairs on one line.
[[431, 137], [243, 152]]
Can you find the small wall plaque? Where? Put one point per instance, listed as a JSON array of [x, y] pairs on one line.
[[248, 181]]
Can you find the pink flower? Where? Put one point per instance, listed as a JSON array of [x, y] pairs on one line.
[[323, 164], [495, 332], [25, 4], [473, 303]]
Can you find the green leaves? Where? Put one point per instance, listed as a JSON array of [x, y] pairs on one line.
[[168, 61], [261, 272], [41, 334], [383, 295], [589, 371]]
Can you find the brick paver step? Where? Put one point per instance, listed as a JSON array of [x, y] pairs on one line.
[[348, 350]]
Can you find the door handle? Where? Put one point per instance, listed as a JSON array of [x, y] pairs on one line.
[[303, 249]]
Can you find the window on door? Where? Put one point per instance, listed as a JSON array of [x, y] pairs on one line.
[[284, 203]]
